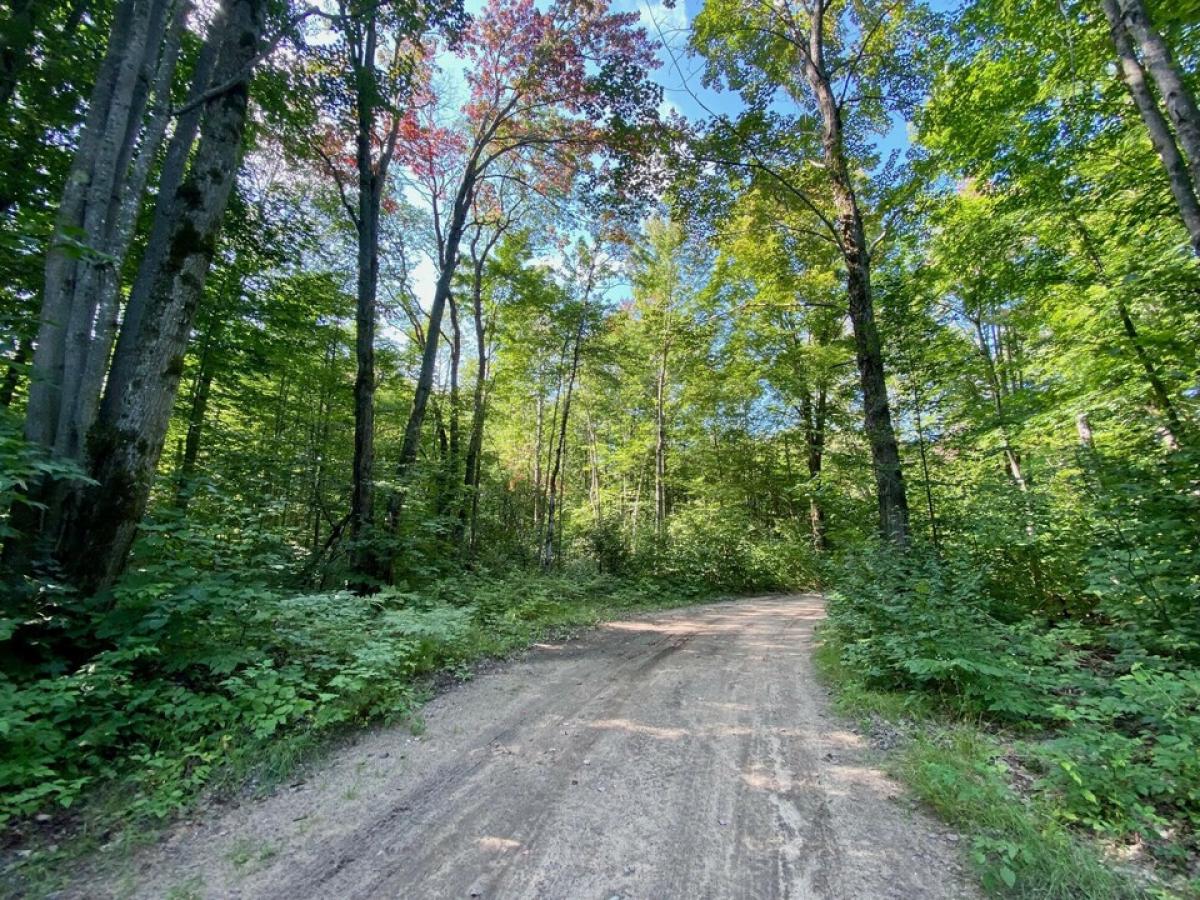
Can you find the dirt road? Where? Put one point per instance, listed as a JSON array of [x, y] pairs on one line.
[[684, 755]]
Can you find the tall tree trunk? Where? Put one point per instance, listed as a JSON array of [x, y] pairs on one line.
[[537, 465], [158, 244], [94, 319], [475, 441], [455, 442], [881, 435], [125, 444], [548, 557], [1158, 390], [99, 201], [365, 559], [196, 412], [1176, 96], [636, 506], [1156, 124], [552, 441], [660, 443], [424, 387], [593, 471]]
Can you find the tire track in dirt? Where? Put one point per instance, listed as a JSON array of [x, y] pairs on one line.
[[689, 754]]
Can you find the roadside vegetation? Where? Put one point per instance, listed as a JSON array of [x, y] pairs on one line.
[[213, 676], [1065, 746]]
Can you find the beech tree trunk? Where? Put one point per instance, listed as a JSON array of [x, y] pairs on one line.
[[877, 416], [1182, 187], [1176, 97], [94, 320], [127, 439], [174, 168], [95, 222], [362, 501]]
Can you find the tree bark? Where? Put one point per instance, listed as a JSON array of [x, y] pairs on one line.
[[660, 443], [1158, 390], [195, 427], [126, 443], [474, 458], [171, 176], [881, 435], [113, 116], [362, 501], [454, 426], [537, 464], [556, 468], [593, 472], [1177, 98], [1156, 124], [201, 391], [95, 328], [478, 413], [424, 387], [449, 481]]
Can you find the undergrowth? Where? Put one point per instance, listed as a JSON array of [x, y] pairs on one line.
[[1064, 748], [223, 683]]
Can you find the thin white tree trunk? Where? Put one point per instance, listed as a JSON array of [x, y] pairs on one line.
[[1177, 98]]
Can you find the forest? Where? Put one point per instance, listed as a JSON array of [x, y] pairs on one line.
[[348, 342]]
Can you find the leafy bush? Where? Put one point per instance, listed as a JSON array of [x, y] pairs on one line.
[[914, 622], [1110, 729], [197, 674], [202, 671], [730, 552], [21, 466]]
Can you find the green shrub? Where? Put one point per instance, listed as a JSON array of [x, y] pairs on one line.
[[1110, 730], [913, 622], [190, 675]]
